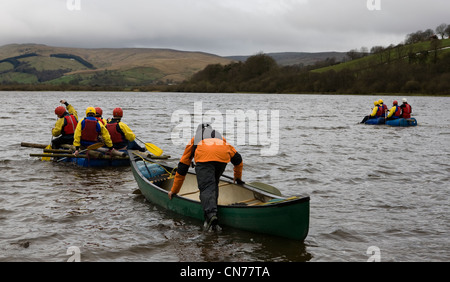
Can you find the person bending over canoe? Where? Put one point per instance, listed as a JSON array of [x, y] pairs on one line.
[[89, 131], [377, 112], [395, 112], [211, 154], [121, 135], [65, 125]]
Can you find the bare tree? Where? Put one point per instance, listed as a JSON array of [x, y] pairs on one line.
[[353, 54], [427, 34], [378, 50], [435, 45], [441, 30], [447, 31], [419, 36], [364, 51]]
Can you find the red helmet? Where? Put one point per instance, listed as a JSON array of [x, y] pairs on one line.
[[59, 111], [118, 112], [395, 103], [98, 111]]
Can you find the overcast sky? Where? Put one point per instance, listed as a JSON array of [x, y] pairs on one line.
[[222, 27]]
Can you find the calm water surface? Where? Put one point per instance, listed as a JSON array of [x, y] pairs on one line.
[[369, 185]]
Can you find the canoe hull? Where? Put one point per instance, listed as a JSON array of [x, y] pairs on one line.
[[402, 122], [287, 218]]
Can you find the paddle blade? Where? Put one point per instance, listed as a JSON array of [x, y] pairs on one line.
[[155, 150], [265, 187], [47, 159], [94, 146]]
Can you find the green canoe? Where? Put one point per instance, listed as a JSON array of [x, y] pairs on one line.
[[253, 207]]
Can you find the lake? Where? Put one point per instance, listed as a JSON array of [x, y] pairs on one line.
[[376, 191]]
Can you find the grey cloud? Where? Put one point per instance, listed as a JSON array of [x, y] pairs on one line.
[[224, 27]]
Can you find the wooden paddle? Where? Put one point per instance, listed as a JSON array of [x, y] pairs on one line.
[[46, 159], [155, 150], [83, 156], [33, 145], [91, 147], [260, 186]]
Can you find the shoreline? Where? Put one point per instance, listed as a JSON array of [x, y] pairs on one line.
[[167, 91]]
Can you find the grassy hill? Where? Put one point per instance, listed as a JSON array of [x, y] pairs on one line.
[[422, 68], [389, 55], [38, 64]]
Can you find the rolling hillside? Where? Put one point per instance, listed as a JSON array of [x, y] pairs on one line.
[[400, 52], [36, 64], [421, 68]]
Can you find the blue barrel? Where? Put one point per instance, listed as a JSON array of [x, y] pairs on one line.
[[402, 122], [380, 120], [150, 170]]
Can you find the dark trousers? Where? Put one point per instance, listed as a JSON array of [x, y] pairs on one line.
[[135, 146], [57, 142], [366, 118], [208, 175]]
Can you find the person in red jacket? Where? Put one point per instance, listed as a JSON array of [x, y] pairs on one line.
[[406, 109], [211, 154], [65, 125]]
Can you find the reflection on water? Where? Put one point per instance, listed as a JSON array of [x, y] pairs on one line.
[[369, 185]]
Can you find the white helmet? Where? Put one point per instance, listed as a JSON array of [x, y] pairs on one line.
[[404, 100]]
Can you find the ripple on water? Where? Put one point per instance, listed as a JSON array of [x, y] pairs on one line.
[[369, 185]]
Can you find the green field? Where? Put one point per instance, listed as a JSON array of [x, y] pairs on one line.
[[388, 56], [18, 77], [51, 63], [6, 67], [143, 75]]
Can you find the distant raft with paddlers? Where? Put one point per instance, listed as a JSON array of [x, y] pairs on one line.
[[400, 122], [396, 116]]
